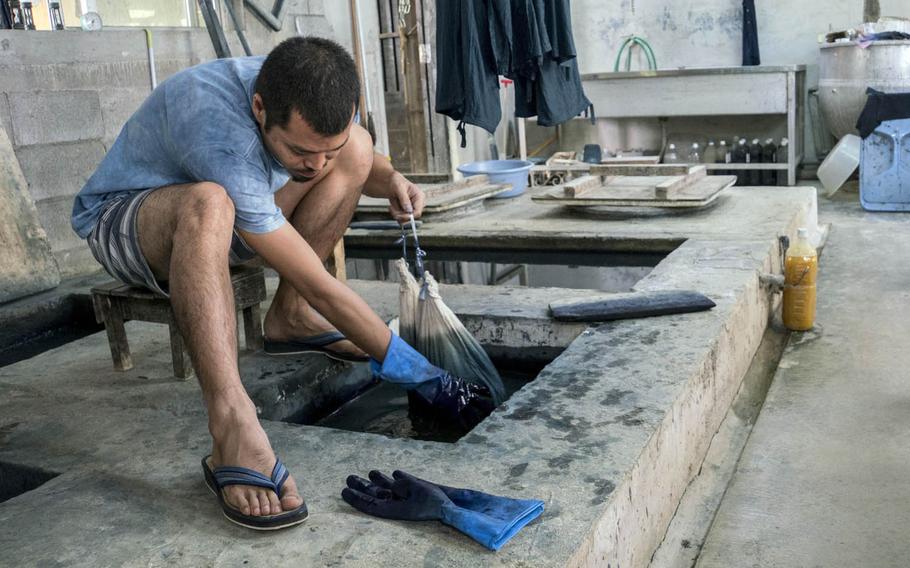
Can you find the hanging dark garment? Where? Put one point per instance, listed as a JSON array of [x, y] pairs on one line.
[[549, 85], [467, 86], [751, 55], [528, 41], [555, 96], [881, 107], [528, 44], [558, 20], [499, 16]]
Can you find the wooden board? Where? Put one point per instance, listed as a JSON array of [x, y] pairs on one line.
[[652, 159], [436, 189], [639, 192], [445, 197], [578, 186], [645, 169]]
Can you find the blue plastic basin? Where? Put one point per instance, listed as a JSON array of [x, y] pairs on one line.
[[514, 172]]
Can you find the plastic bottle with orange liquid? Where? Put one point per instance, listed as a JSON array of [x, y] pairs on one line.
[[800, 274]]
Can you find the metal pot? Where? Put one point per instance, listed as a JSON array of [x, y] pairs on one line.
[[845, 70]]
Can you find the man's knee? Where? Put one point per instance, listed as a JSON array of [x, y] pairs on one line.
[[360, 161], [208, 204]]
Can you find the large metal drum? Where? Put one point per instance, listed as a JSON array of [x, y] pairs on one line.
[[845, 70]]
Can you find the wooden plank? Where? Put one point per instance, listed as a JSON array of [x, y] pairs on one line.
[[252, 328], [580, 185], [644, 169], [155, 310], [135, 292], [667, 189], [433, 177], [413, 74], [116, 335], [696, 195], [439, 203], [562, 159], [436, 189], [655, 159], [105, 289], [180, 358]]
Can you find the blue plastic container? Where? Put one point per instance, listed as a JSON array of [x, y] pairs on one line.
[[884, 171], [514, 172]]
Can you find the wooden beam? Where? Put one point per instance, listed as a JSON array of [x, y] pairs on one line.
[[578, 186], [414, 95]]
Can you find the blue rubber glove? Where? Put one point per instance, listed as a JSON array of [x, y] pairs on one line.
[[404, 366], [453, 399], [488, 519]]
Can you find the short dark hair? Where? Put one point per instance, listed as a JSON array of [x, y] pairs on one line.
[[313, 76]]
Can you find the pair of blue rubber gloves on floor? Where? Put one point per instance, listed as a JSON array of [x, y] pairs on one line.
[[488, 519]]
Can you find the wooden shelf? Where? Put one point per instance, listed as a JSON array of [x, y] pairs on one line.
[[738, 166]]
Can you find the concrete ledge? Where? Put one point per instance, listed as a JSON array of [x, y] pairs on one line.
[[609, 435]]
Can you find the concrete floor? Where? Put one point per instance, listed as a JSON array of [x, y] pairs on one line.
[[609, 434], [823, 480]]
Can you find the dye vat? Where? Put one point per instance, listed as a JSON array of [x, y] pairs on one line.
[[18, 479], [383, 408]]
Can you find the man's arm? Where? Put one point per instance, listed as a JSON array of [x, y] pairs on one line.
[[290, 255], [385, 183]]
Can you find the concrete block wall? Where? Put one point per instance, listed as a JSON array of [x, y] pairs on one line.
[[64, 96]]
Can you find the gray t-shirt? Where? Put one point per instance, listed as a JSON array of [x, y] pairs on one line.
[[198, 125]]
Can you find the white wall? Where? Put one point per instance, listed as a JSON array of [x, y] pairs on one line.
[[707, 33], [701, 33]]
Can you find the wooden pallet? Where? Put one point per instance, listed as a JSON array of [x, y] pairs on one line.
[[443, 197], [638, 191]]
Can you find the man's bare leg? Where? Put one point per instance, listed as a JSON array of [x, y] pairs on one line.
[[185, 235], [321, 213]]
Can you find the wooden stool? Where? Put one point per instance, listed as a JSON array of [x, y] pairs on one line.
[[116, 303]]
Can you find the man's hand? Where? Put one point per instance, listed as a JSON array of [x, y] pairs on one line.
[[405, 198]]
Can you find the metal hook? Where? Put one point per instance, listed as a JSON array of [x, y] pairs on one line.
[[419, 254]]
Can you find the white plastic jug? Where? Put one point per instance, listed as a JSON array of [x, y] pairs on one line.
[[840, 163]]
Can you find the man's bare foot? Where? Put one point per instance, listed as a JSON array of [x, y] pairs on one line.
[[239, 440], [288, 323]]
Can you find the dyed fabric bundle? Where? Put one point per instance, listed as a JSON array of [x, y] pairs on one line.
[[444, 341], [408, 292]]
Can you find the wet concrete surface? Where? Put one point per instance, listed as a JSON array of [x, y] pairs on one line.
[[823, 479], [608, 435]]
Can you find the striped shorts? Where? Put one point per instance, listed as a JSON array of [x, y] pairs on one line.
[[114, 243]]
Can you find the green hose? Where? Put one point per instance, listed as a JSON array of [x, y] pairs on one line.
[[631, 42]]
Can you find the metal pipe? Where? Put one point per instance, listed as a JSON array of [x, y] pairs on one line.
[[216, 33], [363, 57], [273, 19], [229, 4], [153, 77]]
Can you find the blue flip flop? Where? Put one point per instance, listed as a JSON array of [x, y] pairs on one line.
[[220, 477], [312, 344]]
